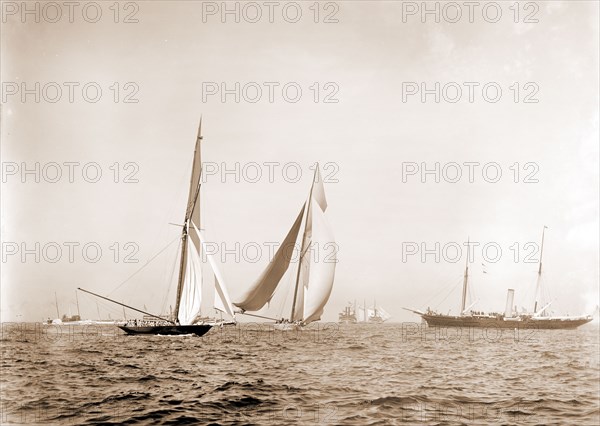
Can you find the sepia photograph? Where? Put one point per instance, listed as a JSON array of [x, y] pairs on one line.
[[309, 212]]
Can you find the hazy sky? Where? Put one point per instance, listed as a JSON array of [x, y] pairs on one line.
[[174, 53]]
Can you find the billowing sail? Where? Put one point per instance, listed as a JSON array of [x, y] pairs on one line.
[[303, 278], [319, 191], [262, 290], [191, 294], [222, 301], [322, 269], [303, 270]]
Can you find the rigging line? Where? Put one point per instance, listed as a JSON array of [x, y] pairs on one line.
[[144, 265], [171, 279], [124, 305], [449, 293], [452, 285], [171, 210], [258, 316]]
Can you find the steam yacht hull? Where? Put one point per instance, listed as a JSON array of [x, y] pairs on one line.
[[500, 322]]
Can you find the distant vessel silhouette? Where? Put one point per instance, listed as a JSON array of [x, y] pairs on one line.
[[373, 314]]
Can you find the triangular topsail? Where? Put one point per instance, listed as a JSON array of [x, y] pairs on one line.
[[263, 288], [318, 193]]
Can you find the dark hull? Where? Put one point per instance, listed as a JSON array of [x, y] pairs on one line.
[[485, 322], [168, 330]]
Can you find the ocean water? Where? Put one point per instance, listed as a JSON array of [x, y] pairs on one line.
[[327, 374]]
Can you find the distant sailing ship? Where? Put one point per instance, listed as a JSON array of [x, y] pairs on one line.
[[186, 317], [65, 319], [314, 277], [538, 319], [348, 315], [373, 314]]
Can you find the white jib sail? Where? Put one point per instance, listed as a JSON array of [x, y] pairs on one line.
[[383, 314], [191, 293], [262, 290], [322, 269], [222, 301]]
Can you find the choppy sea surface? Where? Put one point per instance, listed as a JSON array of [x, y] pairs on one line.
[[327, 374]]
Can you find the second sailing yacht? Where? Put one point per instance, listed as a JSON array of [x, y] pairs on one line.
[[314, 276]]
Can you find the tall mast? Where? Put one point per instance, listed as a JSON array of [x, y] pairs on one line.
[[307, 213], [465, 282], [539, 277], [77, 301], [56, 302], [191, 213]]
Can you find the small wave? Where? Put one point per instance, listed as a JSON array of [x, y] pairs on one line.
[[396, 400], [357, 347]]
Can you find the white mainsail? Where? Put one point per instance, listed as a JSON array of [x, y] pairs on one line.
[[191, 294], [186, 268], [263, 288], [322, 269]]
